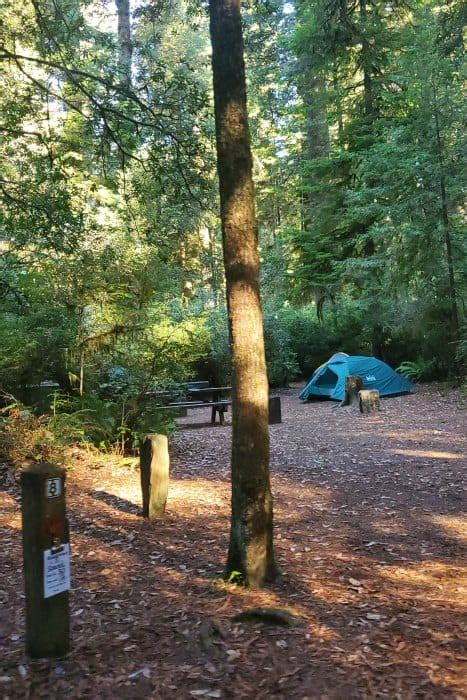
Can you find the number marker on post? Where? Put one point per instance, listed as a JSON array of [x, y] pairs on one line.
[[46, 554]]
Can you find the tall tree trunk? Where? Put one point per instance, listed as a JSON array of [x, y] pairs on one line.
[[366, 62], [445, 220], [124, 41], [317, 142], [215, 285], [338, 103], [251, 542]]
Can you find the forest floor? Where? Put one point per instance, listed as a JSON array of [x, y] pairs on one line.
[[368, 535]]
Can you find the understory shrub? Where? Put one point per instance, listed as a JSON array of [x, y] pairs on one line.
[[313, 341], [415, 370], [110, 424], [281, 361], [25, 437]]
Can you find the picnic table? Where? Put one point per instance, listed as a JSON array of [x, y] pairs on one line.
[[210, 393], [201, 395], [218, 397]]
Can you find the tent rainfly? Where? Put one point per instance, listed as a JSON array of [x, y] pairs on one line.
[[328, 381]]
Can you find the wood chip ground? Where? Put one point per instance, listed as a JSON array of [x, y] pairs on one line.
[[369, 535]]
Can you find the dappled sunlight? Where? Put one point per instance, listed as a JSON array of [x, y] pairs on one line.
[[182, 493], [386, 526], [13, 522], [326, 590], [322, 632], [411, 434], [429, 581], [430, 454], [285, 487], [368, 546], [95, 551], [201, 493], [454, 526]]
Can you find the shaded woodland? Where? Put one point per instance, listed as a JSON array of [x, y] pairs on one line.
[[111, 269], [227, 195]]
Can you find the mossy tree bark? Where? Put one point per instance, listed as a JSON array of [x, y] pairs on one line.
[[124, 41], [251, 543]]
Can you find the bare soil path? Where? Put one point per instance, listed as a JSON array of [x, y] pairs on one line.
[[369, 537]]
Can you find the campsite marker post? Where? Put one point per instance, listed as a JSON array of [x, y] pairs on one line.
[[46, 556]]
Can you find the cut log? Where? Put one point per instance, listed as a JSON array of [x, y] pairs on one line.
[[369, 400], [353, 384]]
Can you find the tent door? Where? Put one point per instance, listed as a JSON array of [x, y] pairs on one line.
[[328, 379]]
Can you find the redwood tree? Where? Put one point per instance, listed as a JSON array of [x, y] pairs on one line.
[[251, 546]]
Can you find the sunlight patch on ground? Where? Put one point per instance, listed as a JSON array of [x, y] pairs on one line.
[[320, 631], [201, 493], [307, 494], [430, 454], [433, 579], [419, 434], [107, 562], [9, 514], [392, 527], [454, 526], [13, 523]]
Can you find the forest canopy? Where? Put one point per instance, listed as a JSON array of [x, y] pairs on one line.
[[111, 273]]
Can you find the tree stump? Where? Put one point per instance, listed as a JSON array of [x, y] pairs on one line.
[[154, 466], [353, 384], [369, 400]]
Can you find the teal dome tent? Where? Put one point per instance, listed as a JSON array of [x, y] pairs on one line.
[[328, 381]]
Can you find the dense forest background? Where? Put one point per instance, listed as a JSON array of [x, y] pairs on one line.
[[111, 272]]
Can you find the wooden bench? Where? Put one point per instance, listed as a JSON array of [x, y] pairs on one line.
[[219, 407]]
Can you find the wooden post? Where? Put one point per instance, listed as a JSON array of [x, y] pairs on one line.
[[154, 466], [46, 556], [369, 400], [275, 415], [353, 384]]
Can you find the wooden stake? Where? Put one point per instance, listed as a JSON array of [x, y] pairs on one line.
[[154, 466]]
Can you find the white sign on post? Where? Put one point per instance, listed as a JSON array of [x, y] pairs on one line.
[[53, 487], [56, 571]]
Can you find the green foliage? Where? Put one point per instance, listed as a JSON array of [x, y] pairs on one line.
[[109, 424], [215, 366], [236, 577], [25, 437], [280, 356], [281, 360], [381, 175], [313, 342], [462, 348], [110, 257], [415, 370]]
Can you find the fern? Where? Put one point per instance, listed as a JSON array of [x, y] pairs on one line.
[[415, 370]]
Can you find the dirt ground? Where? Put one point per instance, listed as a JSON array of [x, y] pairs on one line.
[[368, 534]]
